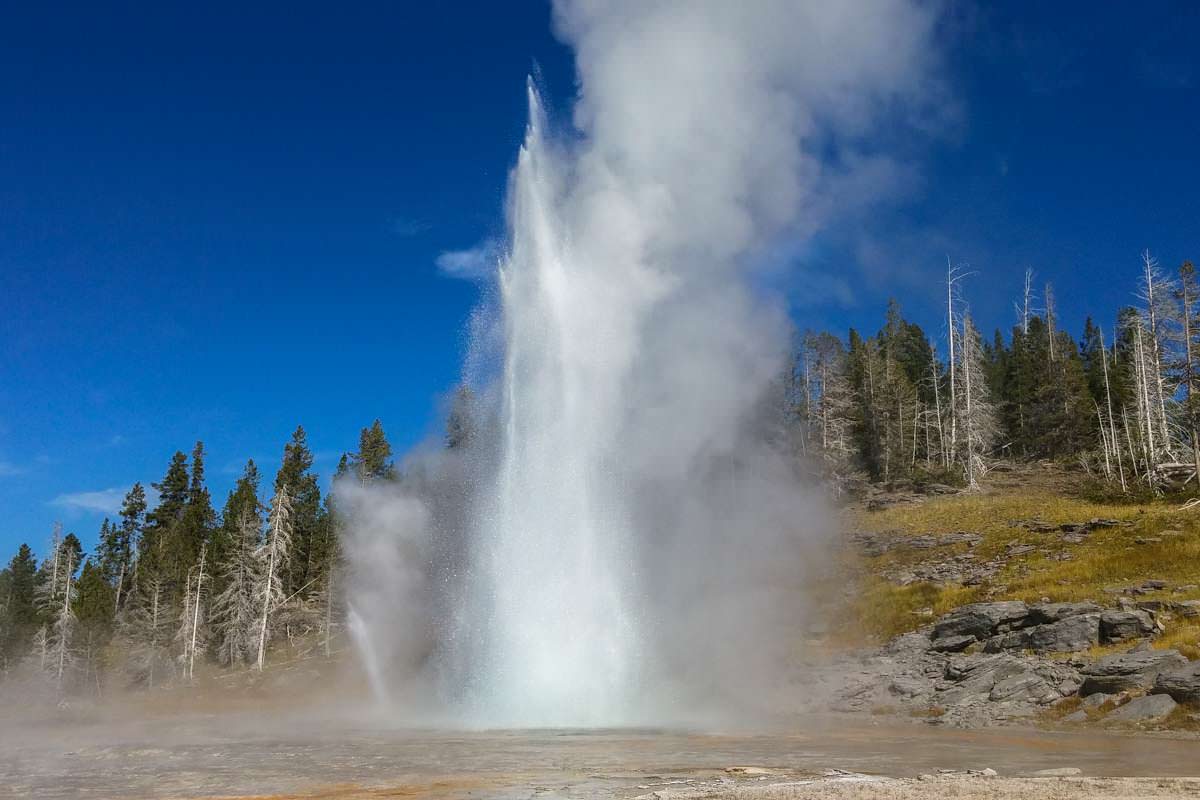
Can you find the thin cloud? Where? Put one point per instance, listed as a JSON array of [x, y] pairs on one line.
[[104, 501], [8, 469], [473, 263]]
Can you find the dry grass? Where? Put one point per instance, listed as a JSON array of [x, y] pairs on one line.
[[1110, 558]]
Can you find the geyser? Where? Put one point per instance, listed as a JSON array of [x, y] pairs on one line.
[[625, 540]]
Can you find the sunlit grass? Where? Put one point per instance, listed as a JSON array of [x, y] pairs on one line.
[[1109, 558]]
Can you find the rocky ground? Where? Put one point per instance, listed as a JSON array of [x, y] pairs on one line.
[[988, 663], [1103, 658]]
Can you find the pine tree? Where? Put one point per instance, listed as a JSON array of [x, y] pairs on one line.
[[233, 608], [21, 616], [372, 461], [294, 471], [242, 499], [198, 519], [117, 562], [160, 553], [146, 628], [94, 612], [1186, 362]]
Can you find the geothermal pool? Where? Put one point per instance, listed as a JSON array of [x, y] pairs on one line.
[[242, 755]]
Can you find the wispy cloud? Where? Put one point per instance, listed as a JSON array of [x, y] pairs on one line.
[[8, 469], [104, 501], [473, 263]]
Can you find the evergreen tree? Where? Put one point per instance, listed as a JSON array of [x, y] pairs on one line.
[[94, 613], [199, 518], [372, 462], [21, 617], [117, 562], [233, 607], [160, 552], [146, 631], [294, 473]]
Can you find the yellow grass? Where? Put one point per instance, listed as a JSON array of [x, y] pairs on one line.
[[1107, 559]]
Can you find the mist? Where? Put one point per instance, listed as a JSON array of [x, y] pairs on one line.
[[625, 537]]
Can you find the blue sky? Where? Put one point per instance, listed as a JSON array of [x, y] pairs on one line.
[[219, 223]]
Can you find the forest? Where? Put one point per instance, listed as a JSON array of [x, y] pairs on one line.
[[179, 586]]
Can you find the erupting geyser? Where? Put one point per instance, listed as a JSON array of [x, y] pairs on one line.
[[625, 539]]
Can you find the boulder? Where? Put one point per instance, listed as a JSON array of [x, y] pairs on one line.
[[1150, 708], [1099, 699], [981, 620], [1181, 684], [974, 677], [951, 644], [1028, 687], [1046, 613], [1065, 636], [1125, 671], [1118, 626], [1188, 608]]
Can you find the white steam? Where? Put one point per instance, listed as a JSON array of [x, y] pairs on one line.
[[625, 537]]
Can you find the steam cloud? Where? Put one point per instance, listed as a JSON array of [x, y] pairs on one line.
[[625, 536]]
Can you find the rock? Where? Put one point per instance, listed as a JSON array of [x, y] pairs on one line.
[[974, 677], [1124, 671], [1150, 708], [1046, 613], [1117, 626], [1188, 608], [1153, 585], [1064, 636], [1098, 699], [980, 619], [1076, 716], [1181, 684], [951, 644], [1025, 687]]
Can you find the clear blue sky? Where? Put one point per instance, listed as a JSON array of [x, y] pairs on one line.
[[216, 223]]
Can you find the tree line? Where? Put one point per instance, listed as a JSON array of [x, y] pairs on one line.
[[1121, 403], [179, 585]]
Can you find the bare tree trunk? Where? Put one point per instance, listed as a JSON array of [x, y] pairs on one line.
[[1050, 318], [950, 328], [196, 615], [1108, 399]]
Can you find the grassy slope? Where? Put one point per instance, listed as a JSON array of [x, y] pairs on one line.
[[1108, 558]]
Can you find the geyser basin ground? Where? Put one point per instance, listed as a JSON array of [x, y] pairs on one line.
[[294, 756]]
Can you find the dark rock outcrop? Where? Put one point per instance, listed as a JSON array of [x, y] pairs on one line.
[[1181, 683], [1150, 708], [981, 620], [1125, 671], [1120, 626]]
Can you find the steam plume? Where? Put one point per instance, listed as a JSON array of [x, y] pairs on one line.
[[626, 536]]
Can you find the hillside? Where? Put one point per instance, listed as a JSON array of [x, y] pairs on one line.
[[1008, 603]]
